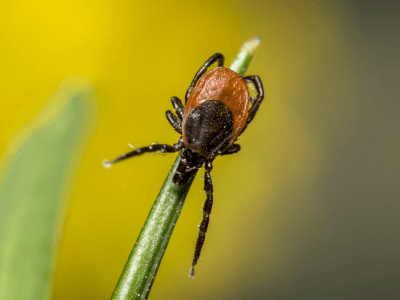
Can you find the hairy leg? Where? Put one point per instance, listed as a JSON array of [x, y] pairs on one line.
[[178, 106], [173, 120], [234, 148], [257, 102], [216, 57], [208, 187], [149, 149]]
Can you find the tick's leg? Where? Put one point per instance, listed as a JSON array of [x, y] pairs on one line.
[[252, 100], [216, 57], [260, 90], [234, 148], [178, 106], [188, 166], [173, 120], [152, 148], [208, 187]]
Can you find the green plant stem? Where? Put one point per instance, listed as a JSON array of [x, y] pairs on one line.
[[143, 262]]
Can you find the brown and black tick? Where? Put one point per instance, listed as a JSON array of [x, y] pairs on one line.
[[216, 114]]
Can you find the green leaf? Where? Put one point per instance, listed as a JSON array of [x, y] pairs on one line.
[[34, 173]]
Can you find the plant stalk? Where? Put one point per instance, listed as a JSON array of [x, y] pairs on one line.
[[143, 262]]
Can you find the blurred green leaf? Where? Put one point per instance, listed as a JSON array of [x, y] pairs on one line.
[[34, 174]]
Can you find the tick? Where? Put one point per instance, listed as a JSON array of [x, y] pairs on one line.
[[216, 113]]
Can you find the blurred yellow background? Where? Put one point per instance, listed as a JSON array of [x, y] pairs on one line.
[[307, 210]]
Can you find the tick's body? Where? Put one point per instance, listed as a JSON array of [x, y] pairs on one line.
[[216, 113], [218, 85]]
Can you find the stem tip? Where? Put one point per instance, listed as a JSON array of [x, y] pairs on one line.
[[252, 44]]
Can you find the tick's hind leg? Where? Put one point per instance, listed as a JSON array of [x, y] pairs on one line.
[[216, 57], [234, 148], [257, 102], [152, 148], [173, 120], [208, 187], [260, 90]]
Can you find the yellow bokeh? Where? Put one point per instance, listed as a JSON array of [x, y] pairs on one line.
[[138, 54]]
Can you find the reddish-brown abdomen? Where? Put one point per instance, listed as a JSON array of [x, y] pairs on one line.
[[223, 85]]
